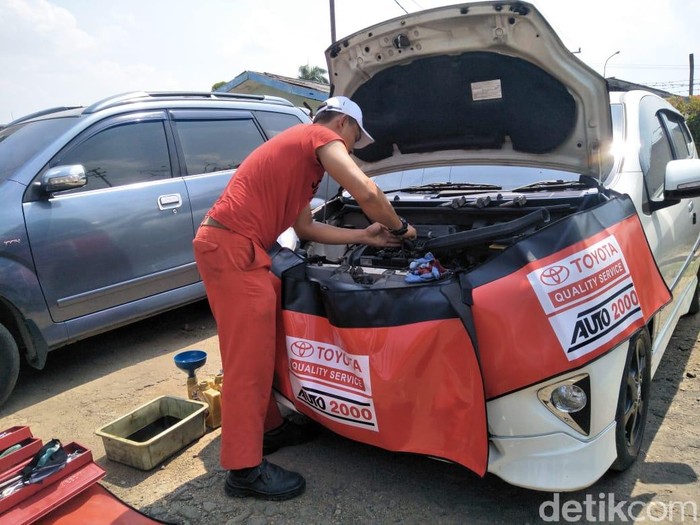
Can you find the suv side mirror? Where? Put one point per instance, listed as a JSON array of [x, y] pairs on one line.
[[62, 178], [682, 179]]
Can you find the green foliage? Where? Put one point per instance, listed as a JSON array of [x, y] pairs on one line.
[[218, 85], [690, 107], [313, 73]]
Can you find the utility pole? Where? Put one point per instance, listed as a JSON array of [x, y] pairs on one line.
[[332, 5], [692, 69]]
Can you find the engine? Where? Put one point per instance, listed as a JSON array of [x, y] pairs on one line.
[[461, 233]]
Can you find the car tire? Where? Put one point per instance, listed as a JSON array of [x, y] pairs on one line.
[[633, 401], [695, 303], [9, 357]]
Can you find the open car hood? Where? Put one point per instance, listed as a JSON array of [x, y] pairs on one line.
[[479, 83]]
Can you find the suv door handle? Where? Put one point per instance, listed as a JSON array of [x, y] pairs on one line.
[[168, 202]]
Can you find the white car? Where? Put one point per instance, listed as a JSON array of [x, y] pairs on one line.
[[557, 249]]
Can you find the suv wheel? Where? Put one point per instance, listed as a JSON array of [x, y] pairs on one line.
[[633, 402], [695, 303], [9, 357]]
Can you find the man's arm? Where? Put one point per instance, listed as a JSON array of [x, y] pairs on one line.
[[309, 230], [339, 165]]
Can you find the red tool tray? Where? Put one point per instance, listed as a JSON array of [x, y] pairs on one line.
[[30, 446], [33, 501], [12, 436], [94, 506]]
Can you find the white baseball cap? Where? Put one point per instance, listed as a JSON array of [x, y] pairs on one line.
[[348, 107]]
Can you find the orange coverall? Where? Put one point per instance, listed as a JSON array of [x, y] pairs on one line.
[[263, 198]]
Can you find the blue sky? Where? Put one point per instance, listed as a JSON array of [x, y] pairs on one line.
[[72, 52]]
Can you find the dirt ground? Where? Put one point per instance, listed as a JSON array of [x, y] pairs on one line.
[[88, 384]]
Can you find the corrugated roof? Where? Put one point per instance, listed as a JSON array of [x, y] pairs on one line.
[[294, 86], [320, 86]]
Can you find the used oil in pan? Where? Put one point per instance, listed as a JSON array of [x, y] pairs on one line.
[[153, 429]]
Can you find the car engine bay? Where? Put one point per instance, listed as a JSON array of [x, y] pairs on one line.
[[462, 232]]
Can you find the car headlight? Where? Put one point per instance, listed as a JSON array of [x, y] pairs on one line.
[[569, 400]]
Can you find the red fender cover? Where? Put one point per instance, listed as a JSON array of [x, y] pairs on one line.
[[564, 310], [409, 388]]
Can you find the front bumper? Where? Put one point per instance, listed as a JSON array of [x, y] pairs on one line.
[[531, 447], [555, 462]]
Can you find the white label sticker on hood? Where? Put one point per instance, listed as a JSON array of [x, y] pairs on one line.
[[487, 90]]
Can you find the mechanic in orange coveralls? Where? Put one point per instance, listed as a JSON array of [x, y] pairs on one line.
[[270, 192]]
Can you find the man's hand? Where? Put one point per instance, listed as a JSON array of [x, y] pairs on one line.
[[378, 235], [410, 234]]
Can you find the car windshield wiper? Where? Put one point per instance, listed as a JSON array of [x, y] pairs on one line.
[[552, 185], [441, 186]]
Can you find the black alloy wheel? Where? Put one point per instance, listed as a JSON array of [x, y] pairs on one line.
[[633, 401], [695, 303]]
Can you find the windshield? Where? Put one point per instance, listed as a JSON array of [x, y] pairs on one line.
[[20, 143], [507, 177]]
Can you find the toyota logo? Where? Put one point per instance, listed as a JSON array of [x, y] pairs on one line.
[[302, 348], [554, 275]]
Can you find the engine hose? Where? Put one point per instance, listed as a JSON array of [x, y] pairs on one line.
[[479, 235]]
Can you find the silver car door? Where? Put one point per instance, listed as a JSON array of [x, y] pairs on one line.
[[124, 236]]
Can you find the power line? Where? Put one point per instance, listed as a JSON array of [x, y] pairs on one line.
[[674, 81], [685, 83], [402, 7], [651, 66]]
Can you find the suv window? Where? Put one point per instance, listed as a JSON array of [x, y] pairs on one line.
[[216, 145], [655, 151], [120, 155], [679, 138], [274, 123]]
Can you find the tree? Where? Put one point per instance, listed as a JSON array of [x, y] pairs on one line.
[[313, 73], [218, 85], [690, 107]]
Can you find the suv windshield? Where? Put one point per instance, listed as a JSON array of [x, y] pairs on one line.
[[20, 143]]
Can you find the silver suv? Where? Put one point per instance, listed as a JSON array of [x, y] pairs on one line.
[[100, 205]]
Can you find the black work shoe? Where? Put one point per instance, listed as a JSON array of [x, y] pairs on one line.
[[287, 434], [266, 481]]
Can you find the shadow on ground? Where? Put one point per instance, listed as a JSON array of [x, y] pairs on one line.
[[95, 357], [349, 482]]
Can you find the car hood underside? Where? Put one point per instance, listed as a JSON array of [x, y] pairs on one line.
[[486, 83], [534, 110]]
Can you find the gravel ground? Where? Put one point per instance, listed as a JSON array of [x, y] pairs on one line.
[[93, 382]]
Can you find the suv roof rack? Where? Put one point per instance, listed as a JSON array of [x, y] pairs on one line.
[[42, 113], [134, 96]]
